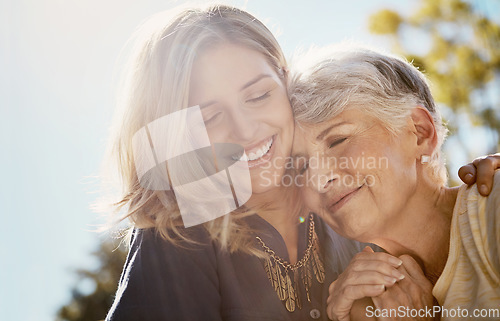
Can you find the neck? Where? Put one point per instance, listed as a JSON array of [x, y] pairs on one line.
[[279, 208], [422, 229]]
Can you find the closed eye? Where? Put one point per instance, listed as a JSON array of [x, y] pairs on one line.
[[213, 118], [337, 142], [259, 98], [304, 168], [301, 164]]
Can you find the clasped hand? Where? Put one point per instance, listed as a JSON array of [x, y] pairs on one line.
[[390, 282]]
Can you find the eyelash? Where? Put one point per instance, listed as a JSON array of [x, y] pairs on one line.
[[213, 118], [337, 142], [253, 100], [304, 168], [301, 169], [262, 97]]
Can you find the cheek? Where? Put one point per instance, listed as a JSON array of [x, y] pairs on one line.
[[394, 182], [400, 165], [280, 118], [280, 111], [217, 135]]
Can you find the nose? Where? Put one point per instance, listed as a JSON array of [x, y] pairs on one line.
[[326, 181], [324, 175], [244, 125]]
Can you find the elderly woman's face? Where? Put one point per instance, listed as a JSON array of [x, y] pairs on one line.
[[354, 173]]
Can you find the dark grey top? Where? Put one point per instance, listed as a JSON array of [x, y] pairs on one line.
[[202, 282]]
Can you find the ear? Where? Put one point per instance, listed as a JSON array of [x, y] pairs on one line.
[[425, 130]]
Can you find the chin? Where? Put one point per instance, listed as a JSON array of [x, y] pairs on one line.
[[262, 185], [259, 189], [359, 232], [340, 222]]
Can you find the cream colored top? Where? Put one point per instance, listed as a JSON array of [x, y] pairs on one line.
[[471, 276]]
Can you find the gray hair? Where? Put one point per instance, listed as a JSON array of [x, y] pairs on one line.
[[330, 80]]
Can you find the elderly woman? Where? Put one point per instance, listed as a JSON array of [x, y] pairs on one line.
[[368, 146]]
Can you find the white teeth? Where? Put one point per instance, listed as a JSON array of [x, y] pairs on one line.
[[263, 150], [258, 153]]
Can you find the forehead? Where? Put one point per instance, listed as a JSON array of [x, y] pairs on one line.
[[228, 64], [305, 143], [310, 136]]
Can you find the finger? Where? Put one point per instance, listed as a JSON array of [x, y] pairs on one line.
[[485, 172], [356, 292], [380, 256], [411, 267], [373, 266], [370, 278], [414, 292], [332, 314], [329, 313], [390, 298], [339, 306], [358, 311], [467, 174], [389, 303], [332, 286], [414, 272]]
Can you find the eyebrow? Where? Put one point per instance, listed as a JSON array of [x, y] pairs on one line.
[[326, 131], [208, 103], [248, 84], [255, 80]]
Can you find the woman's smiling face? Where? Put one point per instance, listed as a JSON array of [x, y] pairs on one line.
[[354, 172], [244, 101]]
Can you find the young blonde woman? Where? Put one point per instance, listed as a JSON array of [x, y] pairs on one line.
[[376, 112], [268, 260]]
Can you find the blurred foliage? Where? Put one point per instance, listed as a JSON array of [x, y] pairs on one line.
[[463, 57], [103, 281], [385, 22]]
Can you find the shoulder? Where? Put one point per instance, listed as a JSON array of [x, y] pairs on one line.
[[495, 193], [159, 277], [477, 220], [155, 252], [494, 197], [492, 207], [477, 206], [152, 258]]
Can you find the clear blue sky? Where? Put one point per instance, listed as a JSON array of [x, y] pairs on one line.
[[57, 60]]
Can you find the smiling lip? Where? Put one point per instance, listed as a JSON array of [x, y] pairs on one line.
[[264, 158], [343, 198]]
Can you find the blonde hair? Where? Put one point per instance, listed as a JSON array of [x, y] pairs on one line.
[[327, 81], [156, 83]]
